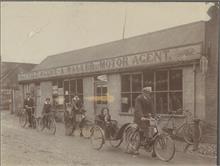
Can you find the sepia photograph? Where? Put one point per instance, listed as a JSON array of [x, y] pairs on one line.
[[109, 83]]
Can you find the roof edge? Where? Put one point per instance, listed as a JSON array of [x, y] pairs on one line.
[[132, 37]]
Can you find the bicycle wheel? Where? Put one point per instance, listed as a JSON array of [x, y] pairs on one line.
[[23, 119], [86, 130], [52, 126], [188, 132], [164, 147], [133, 140], [97, 137]]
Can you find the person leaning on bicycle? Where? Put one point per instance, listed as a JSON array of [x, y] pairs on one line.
[[143, 108], [47, 108], [29, 107], [78, 111]]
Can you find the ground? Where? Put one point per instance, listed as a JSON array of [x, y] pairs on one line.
[[25, 146]]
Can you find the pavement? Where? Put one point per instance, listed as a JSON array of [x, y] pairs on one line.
[[25, 146]]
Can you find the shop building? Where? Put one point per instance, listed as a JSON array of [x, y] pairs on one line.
[[179, 63]]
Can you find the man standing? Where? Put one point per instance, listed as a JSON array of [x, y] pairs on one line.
[[47, 108], [28, 106], [143, 105], [143, 108]]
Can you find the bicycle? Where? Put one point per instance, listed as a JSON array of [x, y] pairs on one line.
[[102, 132], [48, 121], [24, 118], [187, 127], [81, 122], [149, 136]]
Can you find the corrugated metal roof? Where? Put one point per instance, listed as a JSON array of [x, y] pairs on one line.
[[172, 37]]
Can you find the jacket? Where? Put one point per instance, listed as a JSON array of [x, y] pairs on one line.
[[143, 106]]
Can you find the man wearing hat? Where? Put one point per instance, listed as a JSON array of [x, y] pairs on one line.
[[47, 108], [143, 107], [28, 106]]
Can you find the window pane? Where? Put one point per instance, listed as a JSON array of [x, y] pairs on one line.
[[104, 95], [79, 86], [98, 94], [175, 101], [161, 80], [73, 87], [66, 87], [125, 83], [176, 80], [134, 96], [149, 79], [136, 83], [161, 103], [66, 98], [104, 90], [125, 102], [60, 83]]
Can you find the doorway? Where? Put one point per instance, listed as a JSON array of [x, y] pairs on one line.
[[101, 91]]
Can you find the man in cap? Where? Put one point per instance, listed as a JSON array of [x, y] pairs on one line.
[[28, 106], [143, 108], [47, 108], [143, 105]]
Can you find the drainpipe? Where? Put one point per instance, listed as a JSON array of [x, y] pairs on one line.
[[194, 102], [195, 121]]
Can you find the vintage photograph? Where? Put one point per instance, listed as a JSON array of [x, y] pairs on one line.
[[109, 83]]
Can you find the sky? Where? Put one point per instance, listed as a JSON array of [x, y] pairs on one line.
[[31, 31]]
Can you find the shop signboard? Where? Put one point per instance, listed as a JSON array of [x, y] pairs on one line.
[[178, 54]]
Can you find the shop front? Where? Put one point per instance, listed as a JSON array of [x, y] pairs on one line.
[[173, 74]]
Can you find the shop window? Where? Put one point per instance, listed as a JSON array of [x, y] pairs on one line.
[[71, 88], [175, 80], [125, 83], [136, 82], [125, 102], [101, 94], [148, 79], [166, 86], [131, 86], [79, 86], [161, 102], [175, 99], [161, 80]]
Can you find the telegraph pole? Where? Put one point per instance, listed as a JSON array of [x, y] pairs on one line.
[[124, 24]]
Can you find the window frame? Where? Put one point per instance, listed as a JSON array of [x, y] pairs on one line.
[[154, 91]]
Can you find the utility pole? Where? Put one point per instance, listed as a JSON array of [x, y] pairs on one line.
[[124, 24]]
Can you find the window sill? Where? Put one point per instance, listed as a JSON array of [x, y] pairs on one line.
[[168, 115], [161, 115]]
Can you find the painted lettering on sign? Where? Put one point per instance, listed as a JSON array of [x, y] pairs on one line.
[[179, 54]]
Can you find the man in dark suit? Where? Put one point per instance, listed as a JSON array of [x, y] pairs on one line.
[[143, 109], [29, 107], [143, 105]]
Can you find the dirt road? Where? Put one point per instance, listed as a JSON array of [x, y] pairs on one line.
[[25, 146]]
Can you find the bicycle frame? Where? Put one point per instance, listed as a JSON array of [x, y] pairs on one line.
[[175, 129]]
